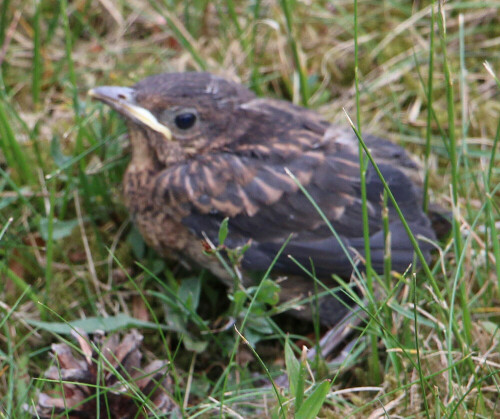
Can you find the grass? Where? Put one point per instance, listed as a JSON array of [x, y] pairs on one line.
[[424, 75]]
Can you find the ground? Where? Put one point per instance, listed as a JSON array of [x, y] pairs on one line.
[[423, 74]]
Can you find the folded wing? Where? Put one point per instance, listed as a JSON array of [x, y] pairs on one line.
[[249, 185]]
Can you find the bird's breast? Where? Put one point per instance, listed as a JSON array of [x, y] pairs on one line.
[[160, 227]]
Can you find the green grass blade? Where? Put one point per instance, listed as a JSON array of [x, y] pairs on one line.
[[287, 6], [268, 373], [429, 95], [15, 156]]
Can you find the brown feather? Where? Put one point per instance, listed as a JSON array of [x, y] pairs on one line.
[[231, 163]]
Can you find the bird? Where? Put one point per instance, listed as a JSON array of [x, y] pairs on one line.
[[205, 149]]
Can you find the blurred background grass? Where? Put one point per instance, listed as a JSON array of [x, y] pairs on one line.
[[68, 250]]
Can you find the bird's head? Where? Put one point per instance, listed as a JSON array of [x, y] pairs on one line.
[[177, 115]]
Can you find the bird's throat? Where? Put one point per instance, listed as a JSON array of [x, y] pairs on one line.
[[142, 155]]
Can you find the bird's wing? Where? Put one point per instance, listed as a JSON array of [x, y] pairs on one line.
[[249, 185]]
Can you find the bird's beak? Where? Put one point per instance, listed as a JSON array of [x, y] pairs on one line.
[[122, 99]]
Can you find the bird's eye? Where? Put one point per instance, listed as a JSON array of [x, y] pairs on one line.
[[185, 120]]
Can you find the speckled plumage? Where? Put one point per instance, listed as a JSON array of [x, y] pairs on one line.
[[231, 163]]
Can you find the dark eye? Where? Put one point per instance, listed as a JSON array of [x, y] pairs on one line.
[[185, 120]]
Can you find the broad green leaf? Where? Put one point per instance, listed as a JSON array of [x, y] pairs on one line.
[[60, 229], [55, 151], [311, 407], [91, 324]]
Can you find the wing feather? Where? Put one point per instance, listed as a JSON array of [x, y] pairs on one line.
[[249, 185]]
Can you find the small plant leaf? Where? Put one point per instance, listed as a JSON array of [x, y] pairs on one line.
[[189, 292], [194, 345], [239, 297], [223, 229], [136, 241], [292, 366], [257, 327], [5, 202], [300, 383], [269, 292]]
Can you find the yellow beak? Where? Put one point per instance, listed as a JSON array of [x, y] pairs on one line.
[[122, 99]]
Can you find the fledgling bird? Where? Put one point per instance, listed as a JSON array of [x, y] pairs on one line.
[[205, 148]]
